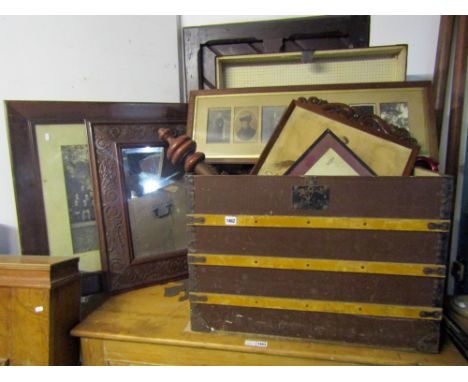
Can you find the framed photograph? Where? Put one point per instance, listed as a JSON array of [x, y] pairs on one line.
[[405, 104], [246, 126], [329, 156], [271, 115], [219, 125], [140, 204], [395, 113], [385, 151]]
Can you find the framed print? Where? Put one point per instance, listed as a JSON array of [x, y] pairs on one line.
[[68, 195], [407, 105], [140, 204], [333, 66], [204, 44], [386, 150], [48, 142], [329, 156]]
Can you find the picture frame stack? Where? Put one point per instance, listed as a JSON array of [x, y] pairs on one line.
[[244, 93]]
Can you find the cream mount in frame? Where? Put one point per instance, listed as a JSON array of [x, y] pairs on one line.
[[215, 116], [362, 65]]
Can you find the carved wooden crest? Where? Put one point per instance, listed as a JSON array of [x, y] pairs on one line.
[[371, 121]]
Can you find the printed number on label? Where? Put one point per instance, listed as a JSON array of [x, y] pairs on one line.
[[257, 344], [230, 220]]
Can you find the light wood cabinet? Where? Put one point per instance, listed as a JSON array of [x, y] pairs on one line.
[[150, 326], [39, 305]]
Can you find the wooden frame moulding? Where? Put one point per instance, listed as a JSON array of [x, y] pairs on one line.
[[416, 96]]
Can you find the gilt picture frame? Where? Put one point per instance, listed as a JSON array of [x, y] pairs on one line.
[[407, 104]]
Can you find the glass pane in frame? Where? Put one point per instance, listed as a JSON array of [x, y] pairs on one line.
[[156, 204]]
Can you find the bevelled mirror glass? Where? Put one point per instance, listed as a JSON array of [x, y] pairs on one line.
[[155, 202]]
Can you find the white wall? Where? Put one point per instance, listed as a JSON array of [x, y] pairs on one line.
[[80, 58], [419, 32]]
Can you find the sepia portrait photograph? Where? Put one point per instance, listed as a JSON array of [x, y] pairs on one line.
[[395, 113], [271, 115], [246, 124], [219, 126], [362, 108], [80, 198]]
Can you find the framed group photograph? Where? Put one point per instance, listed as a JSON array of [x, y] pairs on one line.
[[234, 125]]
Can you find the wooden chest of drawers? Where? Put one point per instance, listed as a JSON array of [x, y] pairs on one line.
[[39, 305]]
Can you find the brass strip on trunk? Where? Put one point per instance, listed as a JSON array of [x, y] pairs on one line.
[[319, 222], [324, 265], [337, 307]]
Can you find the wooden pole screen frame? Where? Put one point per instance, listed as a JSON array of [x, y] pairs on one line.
[[203, 44], [24, 116]]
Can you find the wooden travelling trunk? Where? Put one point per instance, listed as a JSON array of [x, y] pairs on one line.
[[357, 260]]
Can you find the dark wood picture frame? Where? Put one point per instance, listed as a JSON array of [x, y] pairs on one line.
[[202, 44], [315, 152], [23, 116], [369, 124], [122, 269]]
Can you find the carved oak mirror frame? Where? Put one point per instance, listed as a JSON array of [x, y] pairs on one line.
[[123, 267]]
